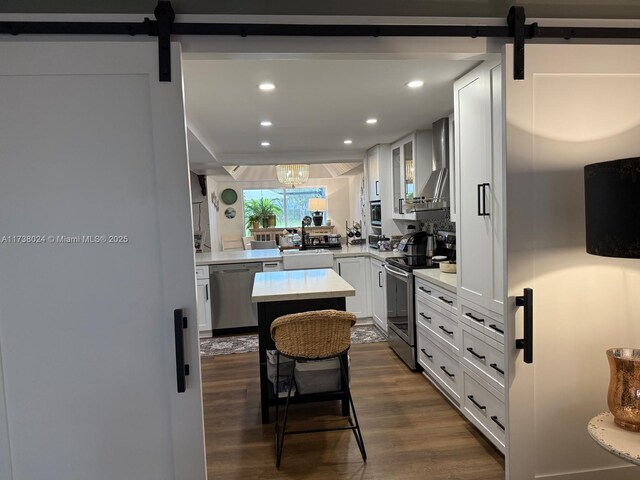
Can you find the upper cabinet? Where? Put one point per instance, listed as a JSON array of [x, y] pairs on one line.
[[411, 162], [373, 172], [479, 164]]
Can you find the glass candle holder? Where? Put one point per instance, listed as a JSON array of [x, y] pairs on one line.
[[624, 387]]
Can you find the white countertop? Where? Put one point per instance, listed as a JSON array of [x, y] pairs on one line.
[[448, 281], [614, 439], [240, 256], [299, 285]]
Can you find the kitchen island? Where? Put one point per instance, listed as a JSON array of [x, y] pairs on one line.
[[293, 291]]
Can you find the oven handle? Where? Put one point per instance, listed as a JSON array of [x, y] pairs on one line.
[[395, 271]]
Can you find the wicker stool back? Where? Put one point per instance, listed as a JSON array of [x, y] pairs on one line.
[[313, 335]]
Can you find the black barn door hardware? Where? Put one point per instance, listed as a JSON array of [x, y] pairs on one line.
[[182, 369], [164, 27], [526, 343]]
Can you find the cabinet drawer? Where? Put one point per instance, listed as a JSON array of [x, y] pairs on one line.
[[446, 330], [479, 356], [442, 369], [202, 272], [490, 325], [438, 296], [484, 410]]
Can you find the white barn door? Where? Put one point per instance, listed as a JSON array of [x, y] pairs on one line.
[[577, 105], [96, 252]]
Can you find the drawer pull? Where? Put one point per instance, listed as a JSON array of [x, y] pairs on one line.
[[425, 317], [450, 302], [479, 357], [496, 368], [424, 290], [481, 407], [494, 327], [473, 317], [497, 422], [445, 330], [425, 352], [444, 369]]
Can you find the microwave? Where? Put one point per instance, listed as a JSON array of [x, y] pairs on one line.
[[376, 214]]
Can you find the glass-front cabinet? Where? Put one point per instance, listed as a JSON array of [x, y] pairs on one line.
[[411, 162]]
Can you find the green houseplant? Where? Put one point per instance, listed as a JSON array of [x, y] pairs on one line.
[[262, 209]]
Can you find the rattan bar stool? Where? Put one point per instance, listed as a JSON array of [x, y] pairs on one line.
[[316, 335]]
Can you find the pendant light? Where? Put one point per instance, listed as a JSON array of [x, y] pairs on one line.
[[292, 174]]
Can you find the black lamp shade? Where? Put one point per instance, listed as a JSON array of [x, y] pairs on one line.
[[612, 208]]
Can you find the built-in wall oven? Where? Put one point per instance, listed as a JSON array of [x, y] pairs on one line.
[[400, 321], [376, 213]]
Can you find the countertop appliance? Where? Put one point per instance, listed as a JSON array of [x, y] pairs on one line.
[[231, 306], [376, 213], [373, 240], [413, 248]]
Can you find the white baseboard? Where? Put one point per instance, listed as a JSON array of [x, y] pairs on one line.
[[623, 472], [364, 321]]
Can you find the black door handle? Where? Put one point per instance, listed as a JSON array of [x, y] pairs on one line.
[[444, 369], [450, 302], [424, 290], [472, 352], [400, 206], [496, 368], [526, 343], [473, 400], [380, 279], [479, 195], [425, 316], [473, 317], [445, 330], [495, 327], [182, 369], [206, 289], [425, 352], [497, 422], [484, 199]]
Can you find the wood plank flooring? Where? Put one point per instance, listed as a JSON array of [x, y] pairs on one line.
[[410, 430]]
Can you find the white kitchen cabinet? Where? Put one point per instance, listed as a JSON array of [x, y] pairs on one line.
[[203, 312], [373, 172], [354, 271], [378, 295], [479, 165], [411, 166]]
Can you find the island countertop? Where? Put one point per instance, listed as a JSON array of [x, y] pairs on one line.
[[299, 285]]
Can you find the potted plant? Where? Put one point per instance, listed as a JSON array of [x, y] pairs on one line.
[[264, 210]]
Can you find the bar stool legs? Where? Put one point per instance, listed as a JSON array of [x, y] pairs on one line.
[[354, 425]]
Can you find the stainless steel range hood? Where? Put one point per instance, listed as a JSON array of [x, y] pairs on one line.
[[436, 192]]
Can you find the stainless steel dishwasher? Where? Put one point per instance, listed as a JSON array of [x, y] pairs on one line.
[[231, 287]]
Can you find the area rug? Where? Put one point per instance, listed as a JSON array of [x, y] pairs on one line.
[[249, 343]]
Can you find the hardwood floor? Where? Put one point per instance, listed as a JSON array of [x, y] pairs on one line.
[[410, 430]]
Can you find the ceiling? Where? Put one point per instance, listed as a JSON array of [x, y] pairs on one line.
[[316, 105]]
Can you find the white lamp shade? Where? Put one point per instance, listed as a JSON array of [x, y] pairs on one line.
[[317, 204]]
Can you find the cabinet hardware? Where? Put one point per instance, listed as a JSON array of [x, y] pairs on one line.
[[206, 289], [473, 400], [473, 317], [495, 327], [380, 279], [497, 422], [445, 330], [425, 316], [479, 194], [484, 199], [339, 270], [425, 352], [377, 183], [496, 368], [270, 264], [526, 343], [472, 352], [424, 290], [182, 369], [444, 369], [400, 200], [450, 302]]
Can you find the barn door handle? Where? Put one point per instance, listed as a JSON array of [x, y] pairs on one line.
[[182, 369], [526, 343]]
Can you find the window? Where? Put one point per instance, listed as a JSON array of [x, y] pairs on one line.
[[292, 204]]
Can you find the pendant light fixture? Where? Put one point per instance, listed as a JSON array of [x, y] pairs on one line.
[[292, 174]]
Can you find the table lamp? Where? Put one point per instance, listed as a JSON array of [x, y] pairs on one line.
[[317, 206], [612, 222]]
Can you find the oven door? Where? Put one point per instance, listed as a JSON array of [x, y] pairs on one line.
[[400, 303]]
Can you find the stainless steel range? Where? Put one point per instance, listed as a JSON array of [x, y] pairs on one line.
[[400, 291]]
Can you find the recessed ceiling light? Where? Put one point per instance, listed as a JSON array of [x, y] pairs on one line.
[[266, 123], [266, 87], [415, 84], [372, 121], [348, 142], [265, 144]]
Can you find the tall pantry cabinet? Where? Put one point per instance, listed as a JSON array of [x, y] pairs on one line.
[[479, 189]]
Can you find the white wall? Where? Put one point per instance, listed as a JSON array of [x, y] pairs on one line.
[[339, 204], [200, 215]]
